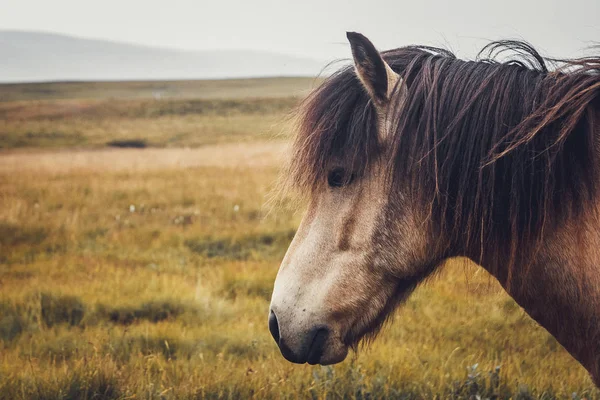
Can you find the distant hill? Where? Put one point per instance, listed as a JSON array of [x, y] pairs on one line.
[[36, 56]]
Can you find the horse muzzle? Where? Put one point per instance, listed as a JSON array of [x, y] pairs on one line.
[[315, 345]]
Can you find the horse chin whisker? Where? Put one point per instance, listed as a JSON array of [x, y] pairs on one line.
[[369, 329], [364, 337]]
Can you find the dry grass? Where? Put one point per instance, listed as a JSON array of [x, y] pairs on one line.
[[158, 123], [233, 155], [207, 89], [147, 273]]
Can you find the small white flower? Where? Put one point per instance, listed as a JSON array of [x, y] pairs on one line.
[[236, 208], [131, 208]]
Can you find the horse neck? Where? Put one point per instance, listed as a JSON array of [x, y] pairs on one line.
[[561, 288]]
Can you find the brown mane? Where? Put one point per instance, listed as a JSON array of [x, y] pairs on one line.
[[498, 151]]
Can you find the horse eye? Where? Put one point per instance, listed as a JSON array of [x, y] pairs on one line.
[[337, 178]]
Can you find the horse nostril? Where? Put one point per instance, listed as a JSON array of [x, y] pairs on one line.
[[317, 347], [274, 326]]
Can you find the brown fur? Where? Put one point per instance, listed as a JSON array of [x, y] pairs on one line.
[[497, 161]]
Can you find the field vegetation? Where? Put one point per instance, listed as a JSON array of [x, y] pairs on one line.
[[146, 273]]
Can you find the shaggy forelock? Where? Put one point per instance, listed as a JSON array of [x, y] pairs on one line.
[[497, 149]]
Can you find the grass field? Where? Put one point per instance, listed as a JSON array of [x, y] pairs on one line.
[[209, 89], [146, 273], [164, 123]]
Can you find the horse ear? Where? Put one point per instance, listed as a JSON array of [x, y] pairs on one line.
[[376, 75]]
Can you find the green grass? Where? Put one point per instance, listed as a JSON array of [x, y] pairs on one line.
[[169, 298]]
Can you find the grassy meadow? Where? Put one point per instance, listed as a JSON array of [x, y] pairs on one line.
[[145, 273]]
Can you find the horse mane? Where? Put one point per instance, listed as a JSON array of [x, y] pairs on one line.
[[498, 150]]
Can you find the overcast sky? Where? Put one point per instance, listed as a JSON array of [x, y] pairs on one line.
[[315, 28]]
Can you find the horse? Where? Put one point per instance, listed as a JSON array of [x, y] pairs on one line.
[[413, 156]]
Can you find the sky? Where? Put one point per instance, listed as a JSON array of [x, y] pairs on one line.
[[316, 28]]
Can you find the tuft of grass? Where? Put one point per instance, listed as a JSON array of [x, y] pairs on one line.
[[263, 245], [153, 311], [11, 326], [12, 235], [17, 318], [79, 385], [169, 348], [61, 310], [128, 143]]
